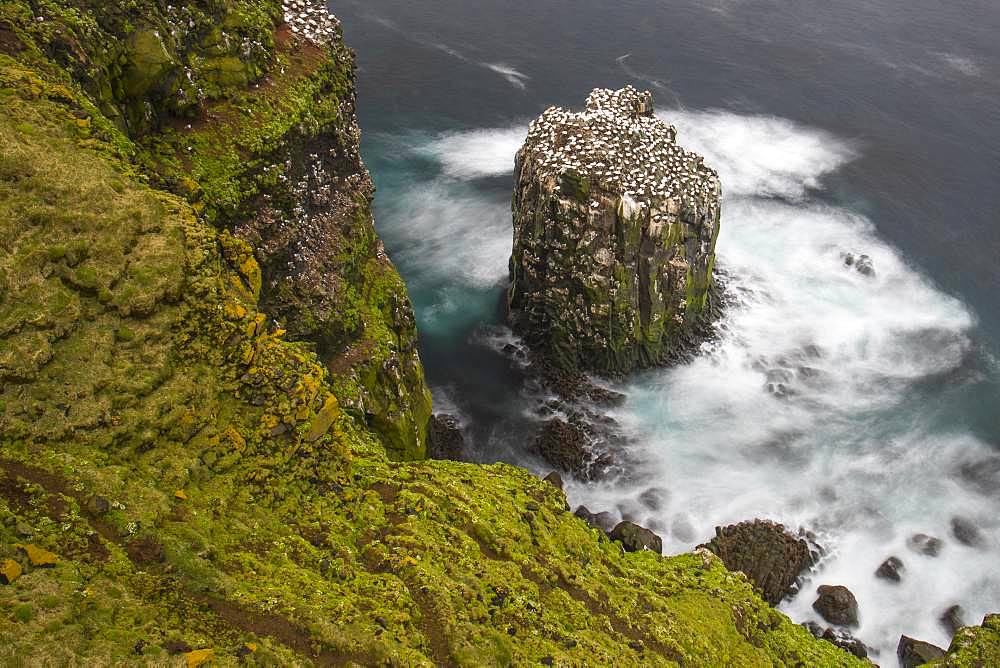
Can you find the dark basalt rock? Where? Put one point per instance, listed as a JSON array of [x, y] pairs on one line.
[[563, 445], [890, 569], [766, 552], [837, 605], [568, 447], [555, 480], [815, 629], [913, 652], [845, 641], [444, 438], [952, 619], [965, 532], [603, 521], [925, 545], [861, 263], [635, 538]]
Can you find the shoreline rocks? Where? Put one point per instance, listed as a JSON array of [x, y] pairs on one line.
[[770, 556], [913, 652], [445, 439], [891, 569], [837, 605], [635, 538], [614, 237], [839, 637]]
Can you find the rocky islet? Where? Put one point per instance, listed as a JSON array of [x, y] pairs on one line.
[[614, 236]]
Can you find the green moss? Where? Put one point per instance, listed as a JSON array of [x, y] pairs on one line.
[[974, 646], [24, 613]]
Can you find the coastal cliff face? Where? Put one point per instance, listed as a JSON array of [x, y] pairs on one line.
[[254, 125], [614, 236], [193, 469]]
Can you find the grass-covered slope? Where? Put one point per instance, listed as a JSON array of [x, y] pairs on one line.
[[181, 483]]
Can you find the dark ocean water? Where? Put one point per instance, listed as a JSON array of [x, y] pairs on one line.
[[852, 126]]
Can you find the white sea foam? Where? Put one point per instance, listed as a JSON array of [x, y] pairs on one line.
[[513, 76], [476, 154], [448, 233], [759, 155]]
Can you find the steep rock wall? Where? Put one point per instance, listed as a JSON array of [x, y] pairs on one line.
[[614, 236]]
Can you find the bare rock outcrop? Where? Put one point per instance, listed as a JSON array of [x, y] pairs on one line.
[[771, 557]]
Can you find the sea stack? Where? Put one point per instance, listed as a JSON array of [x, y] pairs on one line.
[[614, 236]]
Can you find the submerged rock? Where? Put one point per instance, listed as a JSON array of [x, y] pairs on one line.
[[860, 263], [614, 236], [913, 652], [965, 532], [837, 605], [766, 552], [952, 619], [890, 569], [635, 538], [926, 545], [654, 498]]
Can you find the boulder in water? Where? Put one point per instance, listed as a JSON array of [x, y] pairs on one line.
[[926, 545], [564, 446], [654, 498], [635, 538], [837, 605], [913, 652], [952, 619], [965, 532], [860, 263], [766, 553], [890, 569], [614, 237]]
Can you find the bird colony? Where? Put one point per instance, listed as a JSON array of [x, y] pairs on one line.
[[311, 19], [619, 146]]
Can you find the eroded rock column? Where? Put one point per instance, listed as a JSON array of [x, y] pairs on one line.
[[614, 236]]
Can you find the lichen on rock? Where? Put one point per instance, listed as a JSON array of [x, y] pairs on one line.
[[614, 236]]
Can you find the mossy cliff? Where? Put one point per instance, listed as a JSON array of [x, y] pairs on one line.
[[614, 236], [182, 482], [256, 128]]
